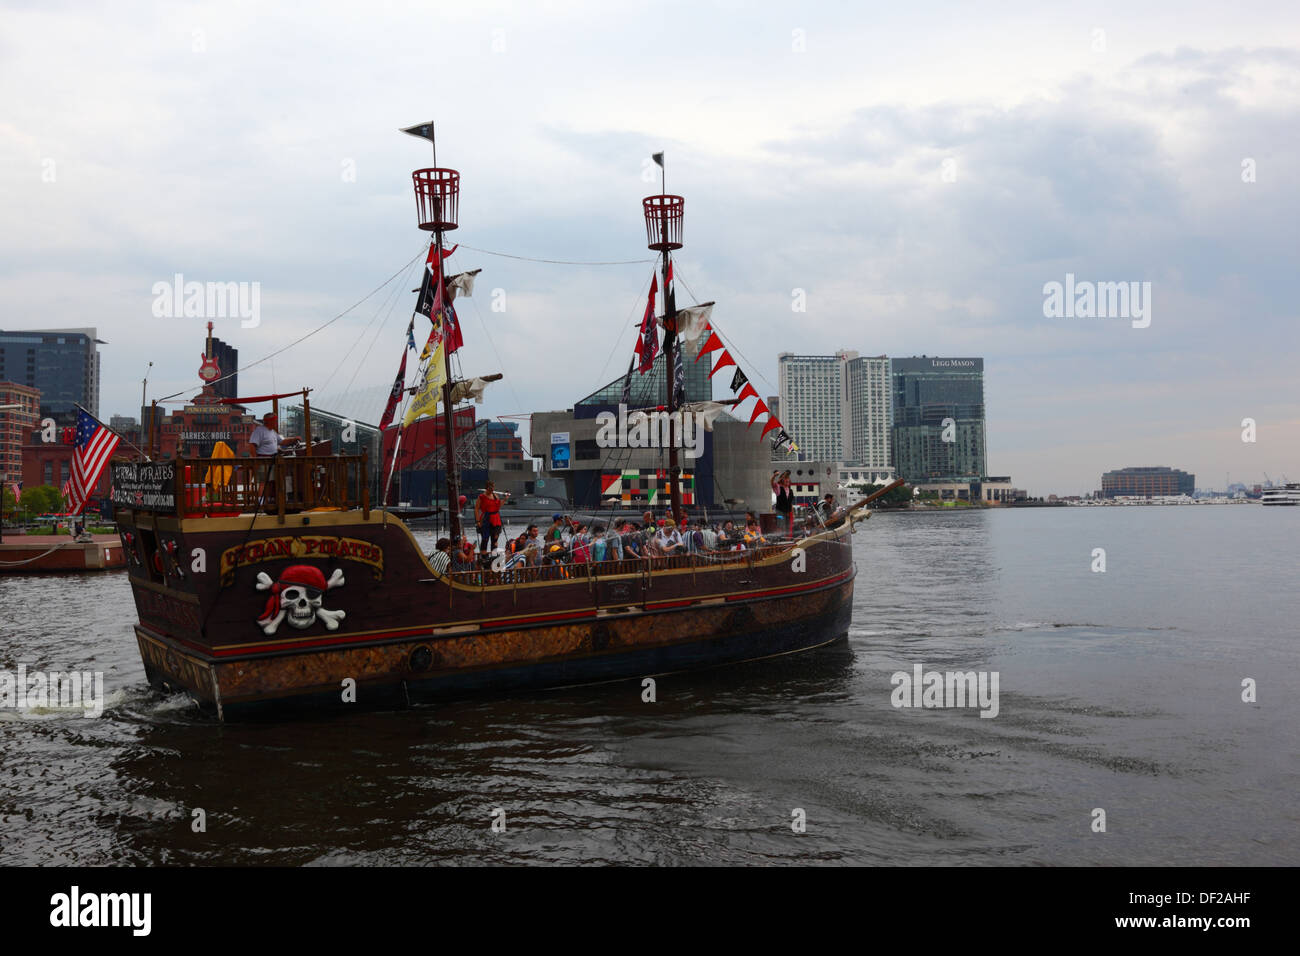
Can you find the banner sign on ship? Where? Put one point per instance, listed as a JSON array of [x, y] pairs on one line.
[[145, 486]]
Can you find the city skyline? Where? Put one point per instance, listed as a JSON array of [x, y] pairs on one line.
[[913, 188]]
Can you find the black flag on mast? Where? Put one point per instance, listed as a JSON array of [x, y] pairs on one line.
[[423, 130], [658, 158]]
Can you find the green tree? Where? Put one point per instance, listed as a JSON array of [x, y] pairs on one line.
[[45, 499], [901, 495]]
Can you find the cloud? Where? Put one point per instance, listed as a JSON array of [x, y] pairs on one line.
[[822, 171]]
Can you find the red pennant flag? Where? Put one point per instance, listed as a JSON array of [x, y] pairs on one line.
[[747, 391], [713, 343], [395, 395], [430, 262], [726, 360], [759, 409], [648, 345], [772, 422]]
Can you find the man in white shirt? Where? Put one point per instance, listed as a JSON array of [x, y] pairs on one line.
[[265, 441], [669, 539]]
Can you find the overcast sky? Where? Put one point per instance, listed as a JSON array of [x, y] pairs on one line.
[[920, 170]]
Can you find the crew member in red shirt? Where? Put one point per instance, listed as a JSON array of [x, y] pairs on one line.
[[487, 516]]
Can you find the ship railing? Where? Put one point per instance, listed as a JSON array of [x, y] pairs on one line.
[[280, 485], [581, 571]]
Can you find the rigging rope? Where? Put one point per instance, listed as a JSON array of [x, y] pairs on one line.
[[386, 308], [314, 331], [557, 262]]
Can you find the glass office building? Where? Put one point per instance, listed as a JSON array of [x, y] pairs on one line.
[[650, 390], [63, 364], [938, 428]]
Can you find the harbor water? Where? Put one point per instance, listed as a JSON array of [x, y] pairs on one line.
[[1119, 690]]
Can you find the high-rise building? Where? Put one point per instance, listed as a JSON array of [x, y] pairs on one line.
[[837, 407], [868, 412], [938, 408], [813, 391], [63, 364], [1146, 481], [227, 357], [19, 408]]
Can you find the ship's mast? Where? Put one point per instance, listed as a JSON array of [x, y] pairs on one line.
[[670, 370], [437, 200], [663, 223]]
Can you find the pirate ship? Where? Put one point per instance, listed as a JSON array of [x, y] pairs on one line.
[[265, 582]]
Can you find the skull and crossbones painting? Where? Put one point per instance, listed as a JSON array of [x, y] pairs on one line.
[[297, 597]]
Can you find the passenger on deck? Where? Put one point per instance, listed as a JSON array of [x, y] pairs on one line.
[[440, 560], [830, 513], [784, 499], [614, 543], [691, 537], [555, 532], [735, 537], [668, 541], [462, 558], [599, 546], [710, 535], [580, 546], [527, 544], [632, 542]]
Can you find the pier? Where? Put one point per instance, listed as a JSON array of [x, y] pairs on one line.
[[43, 553]]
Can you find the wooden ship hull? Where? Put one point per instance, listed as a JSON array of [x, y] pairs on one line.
[[387, 630]]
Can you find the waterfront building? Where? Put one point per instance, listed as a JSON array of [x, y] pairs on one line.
[[938, 430], [988, 490], [812, 402], [63, 364], [16, 423], [837, 407], [649, 390], [1147, 481], [868, 413], [731, 472]]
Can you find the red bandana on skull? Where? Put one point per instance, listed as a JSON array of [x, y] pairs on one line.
[[302, 575]]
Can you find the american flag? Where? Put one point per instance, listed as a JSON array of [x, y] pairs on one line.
[[96, 443]]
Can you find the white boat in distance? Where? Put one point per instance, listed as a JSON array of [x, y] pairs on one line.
[[1288, 494]]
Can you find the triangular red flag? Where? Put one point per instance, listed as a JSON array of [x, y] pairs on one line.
[[726, 360], [648, 343], [747, 391], [759, 409], [772, 422], [711, 344]]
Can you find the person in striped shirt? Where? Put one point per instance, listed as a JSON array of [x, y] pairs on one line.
[[440, 560]]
